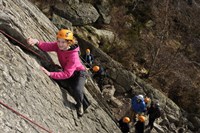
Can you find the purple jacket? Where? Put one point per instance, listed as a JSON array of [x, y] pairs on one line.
[[69, 60]]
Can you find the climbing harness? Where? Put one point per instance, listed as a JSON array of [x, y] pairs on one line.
[[103, 105], [24, 117], [35, 53]]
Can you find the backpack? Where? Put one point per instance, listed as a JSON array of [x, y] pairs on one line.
[[138, 107]]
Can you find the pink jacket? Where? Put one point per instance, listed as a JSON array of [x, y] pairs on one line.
[[69, 60]]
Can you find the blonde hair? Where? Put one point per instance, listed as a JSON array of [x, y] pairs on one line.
[[72, 42]]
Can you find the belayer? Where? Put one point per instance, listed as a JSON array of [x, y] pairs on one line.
[[73, 71]]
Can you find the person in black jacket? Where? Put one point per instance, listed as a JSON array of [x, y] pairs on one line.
[[124, 124], [99, 74], [154, 112], [140, 124]]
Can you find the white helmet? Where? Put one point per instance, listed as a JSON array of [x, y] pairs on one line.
[[141, 97]]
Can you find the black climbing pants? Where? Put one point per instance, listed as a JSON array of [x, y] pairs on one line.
[[75, 86], [77, 83], [151, 121]]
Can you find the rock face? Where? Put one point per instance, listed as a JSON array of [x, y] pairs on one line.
[[27, 90], [78, 14], [126, 82]]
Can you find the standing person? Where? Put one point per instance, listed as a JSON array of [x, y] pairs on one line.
[[88, 58], [73, 71], [124, 124], [154, 112], [99, 74], [147, 102], [140, 124]]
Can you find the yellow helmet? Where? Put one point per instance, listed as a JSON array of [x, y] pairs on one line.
[[126, 119], [141, 118], [95, 68], [87, 50], [65, 34]]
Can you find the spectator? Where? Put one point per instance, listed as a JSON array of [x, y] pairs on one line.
[[124, 124], [154, 112], [140, 124], [99, 74]]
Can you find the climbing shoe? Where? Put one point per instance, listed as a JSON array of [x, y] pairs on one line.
[[80, 110]]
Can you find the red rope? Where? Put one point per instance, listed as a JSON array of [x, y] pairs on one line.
[[7, 105], [26, 118], [26, 47]]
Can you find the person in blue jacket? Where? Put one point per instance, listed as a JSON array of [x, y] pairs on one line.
[[88, 58], [138, 105]]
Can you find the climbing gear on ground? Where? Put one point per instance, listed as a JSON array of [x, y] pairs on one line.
[[141, 118], [95, 68], [24, 117], [65, 34], [126, 119]]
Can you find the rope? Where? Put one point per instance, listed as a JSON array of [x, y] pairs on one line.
[[85, 62], [7, 105], [101, 102], [34, 51], [26, 47], [26, 118], [108, 111]]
